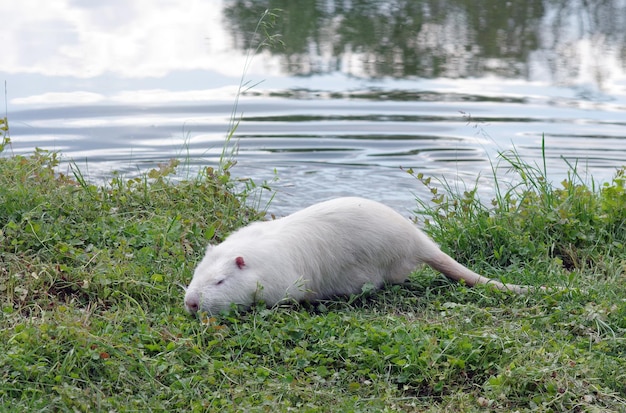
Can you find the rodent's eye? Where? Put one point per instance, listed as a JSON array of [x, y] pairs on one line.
[[219, 282]]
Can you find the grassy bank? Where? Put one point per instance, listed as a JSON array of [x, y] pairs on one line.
[[92, 315]]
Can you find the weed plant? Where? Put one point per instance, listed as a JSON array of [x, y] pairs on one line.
[[92, 316], [577, 227], [82, 268]]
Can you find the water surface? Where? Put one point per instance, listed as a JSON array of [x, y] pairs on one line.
[[357, 90]]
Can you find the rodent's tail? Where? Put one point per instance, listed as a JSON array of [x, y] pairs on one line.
[[453, 270]]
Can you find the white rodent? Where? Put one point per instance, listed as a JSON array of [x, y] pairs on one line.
[[329, 249]]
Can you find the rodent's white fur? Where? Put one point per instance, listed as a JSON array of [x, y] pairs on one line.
[[328, 249]]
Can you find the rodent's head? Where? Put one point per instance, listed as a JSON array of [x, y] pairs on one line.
[[220, 280]]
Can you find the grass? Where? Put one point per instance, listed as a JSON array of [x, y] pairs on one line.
[[92, 316]]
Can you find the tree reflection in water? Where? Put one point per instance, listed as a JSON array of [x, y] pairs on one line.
[[554, 41]]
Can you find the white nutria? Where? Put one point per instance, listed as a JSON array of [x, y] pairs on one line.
[[328, 249]]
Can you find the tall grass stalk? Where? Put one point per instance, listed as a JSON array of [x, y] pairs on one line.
[[5, 137], [259, 39]]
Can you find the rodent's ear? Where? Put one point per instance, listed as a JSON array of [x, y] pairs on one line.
[[240, 262]]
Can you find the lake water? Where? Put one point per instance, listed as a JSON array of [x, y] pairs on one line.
[[355, 92]]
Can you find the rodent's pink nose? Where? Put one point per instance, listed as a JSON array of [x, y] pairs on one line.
[[191, 303]]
